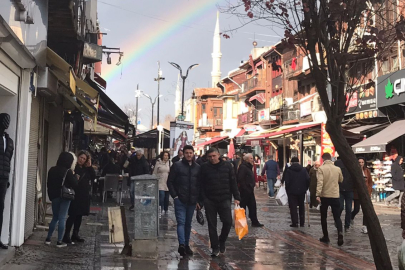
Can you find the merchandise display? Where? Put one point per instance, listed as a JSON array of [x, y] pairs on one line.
[[381, 175]]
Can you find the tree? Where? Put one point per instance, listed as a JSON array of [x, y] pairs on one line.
[[337, 36]]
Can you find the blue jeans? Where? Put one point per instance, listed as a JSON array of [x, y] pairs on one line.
[[60, 209], [270, 186], [184, 215], [132, 192], [164, 200], [346, 197]]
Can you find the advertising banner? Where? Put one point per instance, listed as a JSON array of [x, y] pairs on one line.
[[326, 142], [263, 115], [363, 102], [181, 134], [391, 89]]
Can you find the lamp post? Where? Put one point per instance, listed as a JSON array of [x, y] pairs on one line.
[[160, 129], [153, 102], [184, 82], [158, 79], [138, 93]]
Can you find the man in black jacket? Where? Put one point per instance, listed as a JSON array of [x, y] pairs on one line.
[[137, 166], [296, 185], [180, 155], [246, 184], [218, 185], [184, 187], [346, 193]]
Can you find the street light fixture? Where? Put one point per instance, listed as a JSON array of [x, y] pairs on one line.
[[184, 82], [153, 102], [158, 79]]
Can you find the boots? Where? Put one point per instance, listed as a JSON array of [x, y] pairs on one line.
[[76, 237]]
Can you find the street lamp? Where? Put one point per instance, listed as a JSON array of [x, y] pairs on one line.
[[158, 79], [160, 129], [153, 104], [184, 82]]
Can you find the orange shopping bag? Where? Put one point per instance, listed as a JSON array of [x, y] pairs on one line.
[[241, 226]]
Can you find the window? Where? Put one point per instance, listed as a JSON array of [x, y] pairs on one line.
[[384, 67], [235, 110], [217, 112], [203, 108], [394, 65]]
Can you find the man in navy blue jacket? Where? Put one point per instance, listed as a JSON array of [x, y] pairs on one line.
[[272, 171]]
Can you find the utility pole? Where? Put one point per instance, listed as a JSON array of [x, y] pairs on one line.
[[158, 79], [137, 95]]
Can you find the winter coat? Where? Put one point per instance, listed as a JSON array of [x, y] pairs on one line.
[[369, 183], [162, 170], [403, 213], [312, 186], [296, 179], [176, 159], [245, 179], [397, 175], [329, 176], [137, 167], [218, 182], [201, 160], [347, 184], [5, 157], [55, 179], [271, 169], [111, 168], [184, 182], [81, 204]]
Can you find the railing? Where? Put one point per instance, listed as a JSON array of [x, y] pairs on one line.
[[216, 123], [252, 83], [291, 113], [247, 118]]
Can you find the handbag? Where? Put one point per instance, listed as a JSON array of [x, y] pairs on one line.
[[66, 193], [200, 217]]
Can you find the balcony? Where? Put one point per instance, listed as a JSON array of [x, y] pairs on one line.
[[210, 123], [254, 82], [292, 113], [247, 118]]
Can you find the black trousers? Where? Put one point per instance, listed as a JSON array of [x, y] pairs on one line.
[[356, 210], [75, 222], [249, 201], [293, 202], [3, 191], [212, 210], [334, 203]]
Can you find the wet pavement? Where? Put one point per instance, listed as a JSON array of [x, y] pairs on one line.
[[276, 246]]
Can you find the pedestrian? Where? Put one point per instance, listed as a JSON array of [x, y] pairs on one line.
[[257, 163], [161, 170], [327, 193], [218, 185], [397, 181], [63, 172], [137, 166], [179, 156], [80, 206], [272, 171], [184, 187], [312, 184], [296, 185], [346, 194], [202, 159], [308, 167], [246, 184], [369, 185], [236, 162]]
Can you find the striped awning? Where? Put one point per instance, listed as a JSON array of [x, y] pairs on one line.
[[259, 97]]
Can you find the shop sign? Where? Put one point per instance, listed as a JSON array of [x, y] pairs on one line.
[[326, 142], [254, 143], [250, 127], [369, 149], [263, 115], [92, 51], [362, 100], [275, 103], [306, 108], [367, 114], [391, 89], [309, 143]]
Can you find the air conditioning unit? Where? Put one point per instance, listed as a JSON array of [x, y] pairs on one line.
[[294, 115]]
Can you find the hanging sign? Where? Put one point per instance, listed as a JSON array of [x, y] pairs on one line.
[[326, 142]]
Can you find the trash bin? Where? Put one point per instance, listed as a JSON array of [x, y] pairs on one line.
[[146, 211]]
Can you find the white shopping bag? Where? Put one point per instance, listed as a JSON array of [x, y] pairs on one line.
[[278, 183], [401, 256], [281, 197]]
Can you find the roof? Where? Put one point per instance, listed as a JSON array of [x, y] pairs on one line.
[[199, 92]]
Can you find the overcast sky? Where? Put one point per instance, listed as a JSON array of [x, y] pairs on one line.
[[187, 38]]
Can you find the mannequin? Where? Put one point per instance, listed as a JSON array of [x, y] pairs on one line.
[[6, 153]]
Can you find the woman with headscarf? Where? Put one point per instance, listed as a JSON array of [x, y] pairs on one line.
[[63, 172], [80, 206], [312, 184], [356, 200]]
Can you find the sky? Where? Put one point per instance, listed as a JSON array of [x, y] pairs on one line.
[[179, 31]]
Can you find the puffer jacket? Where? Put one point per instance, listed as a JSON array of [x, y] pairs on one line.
[[246, 179], [5, 157], [183, 181], [218, 182], [161, 170], [296, 179], [397, 175]]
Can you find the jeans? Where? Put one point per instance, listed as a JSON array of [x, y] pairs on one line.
[[184, 215], [212, 210], [394, 195], [60, 209], [164, 199], [132, 192], [293, 202], [270, 186], [249, 200], [335, 205], [346, 197], [356, 210]]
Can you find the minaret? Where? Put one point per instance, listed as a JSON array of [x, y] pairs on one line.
[[177, 102], [216, 55]]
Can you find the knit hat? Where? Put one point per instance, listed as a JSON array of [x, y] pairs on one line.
[[294, 159]]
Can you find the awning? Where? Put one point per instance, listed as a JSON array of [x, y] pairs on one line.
[[240, 133], [378, 142], [100, 80], [116, 133], [360, 129], [90, 91], [82, 108], [213, 140], [281, 132], [61, 69], [259, 97]]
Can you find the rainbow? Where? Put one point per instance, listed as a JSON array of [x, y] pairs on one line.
[[139, 46]]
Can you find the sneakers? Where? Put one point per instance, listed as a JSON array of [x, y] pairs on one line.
[[352, 222], [318, 207], [215, 252], [182, 250], [324, 240], [189, 251], [61, 244], [77, 238], [66, 239], [340, 239], [258, 225], [364, 230], [131, 208], [294, 225], [347, 229], [271, 197], [47, 241], [222, 247]]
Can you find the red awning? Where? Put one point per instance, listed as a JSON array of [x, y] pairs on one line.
[[100, 80], [240, 133], [281, 132], [213, 140], [259, 97]]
